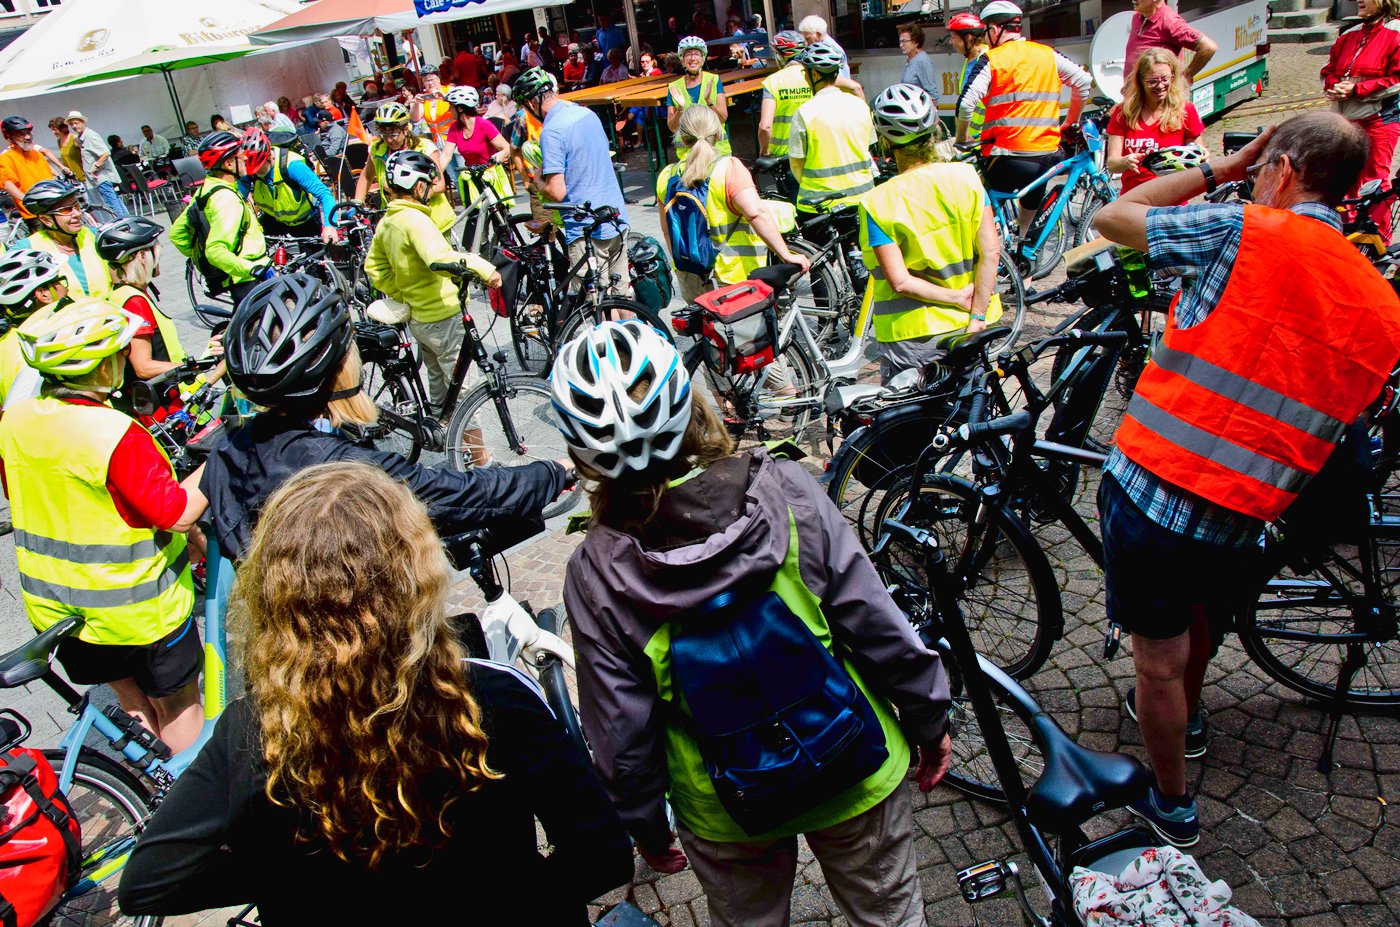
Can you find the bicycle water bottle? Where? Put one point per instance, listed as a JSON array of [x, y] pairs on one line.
[[1135, 269], [856, 268]]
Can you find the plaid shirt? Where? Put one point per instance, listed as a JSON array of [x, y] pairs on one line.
[[1200, 243]]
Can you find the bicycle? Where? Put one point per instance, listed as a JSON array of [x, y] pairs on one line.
[[186, 424], [354, 226]]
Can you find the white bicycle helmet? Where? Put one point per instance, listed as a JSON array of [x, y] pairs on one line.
[[1174, 158], [392, 113], [21, 273], [73, 341], [904, 113], [821, 58], [464, 96], [692, 41], [592, 382], [406, 168], [1000, 11]]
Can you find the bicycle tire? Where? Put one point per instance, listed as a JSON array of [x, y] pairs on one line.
[[554, 679], [529, 403], [97, 216], [198, 291], [1047, 256], [1012, 290], [608, 307], [1084, 229], [111, 806], [819, 297], [391, 392], [529, 331], [1009, 594], [1315, 601]]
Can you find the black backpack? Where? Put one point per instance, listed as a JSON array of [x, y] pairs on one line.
[[216, 282]]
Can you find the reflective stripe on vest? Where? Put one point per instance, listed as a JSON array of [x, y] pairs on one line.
[[439, 206], [933, 213], [1023, 99], [1245, 407], [709, 92], [99, 282], [692, 795], [169, 344], [439, 115], [741, 251], [75, 552], [836, 150], [277, 197], [789, 89]]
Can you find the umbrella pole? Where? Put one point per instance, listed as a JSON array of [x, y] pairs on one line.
[[174, 99]]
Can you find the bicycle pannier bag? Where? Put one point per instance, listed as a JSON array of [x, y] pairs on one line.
[[378, 343], [779, 721], [40, 841], [503, 298], [651, 275], [688, 228], [740, 325]]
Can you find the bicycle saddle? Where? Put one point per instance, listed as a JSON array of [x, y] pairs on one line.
[[30, 661], [767, 164], [1079, 783], [971, 341], [777, 276]]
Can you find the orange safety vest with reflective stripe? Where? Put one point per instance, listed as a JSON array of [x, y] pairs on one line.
[[1023, 99], [1244, 408], [439, 115]]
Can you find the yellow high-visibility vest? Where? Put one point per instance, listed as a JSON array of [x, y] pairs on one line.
[[836, 149], [709, 92], [789, 89]]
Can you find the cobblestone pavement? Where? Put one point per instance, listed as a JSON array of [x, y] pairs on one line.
[[1298, 847]]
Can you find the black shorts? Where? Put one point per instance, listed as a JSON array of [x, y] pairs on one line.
[[1157, 581], [1009, 173], [160, 669]]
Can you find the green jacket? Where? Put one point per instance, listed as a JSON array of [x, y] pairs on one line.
[[405, 245], [226, 214]]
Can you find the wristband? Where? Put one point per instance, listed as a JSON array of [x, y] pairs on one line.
[[979, 317], [1209, 174]]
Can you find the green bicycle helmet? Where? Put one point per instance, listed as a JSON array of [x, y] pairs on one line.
[[532, 85], [392, 113]]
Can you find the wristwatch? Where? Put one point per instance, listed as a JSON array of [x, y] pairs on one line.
[[1211, 182]]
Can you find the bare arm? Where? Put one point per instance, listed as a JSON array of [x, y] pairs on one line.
[[1114, 158], [673, 118], [554, 188], [988, 254], [195, 502], [1205, 50], [142, 361], [749, 204], [440, 182], [54, 160], [721, 107], [502, 149], [766, 111]]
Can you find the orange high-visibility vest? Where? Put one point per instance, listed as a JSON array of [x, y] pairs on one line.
[[1245, 407], [439, 115], [1023, 99]]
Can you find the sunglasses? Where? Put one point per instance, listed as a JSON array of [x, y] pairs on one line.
[[68, 210]]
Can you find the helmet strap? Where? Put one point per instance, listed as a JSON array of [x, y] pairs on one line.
[[347, 393]]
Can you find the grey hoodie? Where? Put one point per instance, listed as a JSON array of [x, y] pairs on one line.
[[713, 532]]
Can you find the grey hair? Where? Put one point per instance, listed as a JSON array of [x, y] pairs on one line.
[[1327, 150], [271, 107], [812, 23]]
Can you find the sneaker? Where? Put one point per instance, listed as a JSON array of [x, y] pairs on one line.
[[1180, 826], [1197, 733]]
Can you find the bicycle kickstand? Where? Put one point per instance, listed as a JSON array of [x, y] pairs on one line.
[[1355, 659]]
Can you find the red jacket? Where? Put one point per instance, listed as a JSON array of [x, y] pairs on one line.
[[1369, 55]]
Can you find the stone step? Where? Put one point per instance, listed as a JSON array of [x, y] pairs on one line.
[[1287, 6], [1324, 33], [1300, 19], [1319, 4]]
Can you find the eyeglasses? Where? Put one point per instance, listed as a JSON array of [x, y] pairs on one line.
[[1159, 81], [1253, 170], [68, 210]]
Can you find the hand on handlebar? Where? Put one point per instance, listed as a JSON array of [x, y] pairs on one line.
[[328, 235]]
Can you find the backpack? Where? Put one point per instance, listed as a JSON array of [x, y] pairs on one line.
[[780, 723], [651, 276], [216, 282], [688, 227], [40, 840]]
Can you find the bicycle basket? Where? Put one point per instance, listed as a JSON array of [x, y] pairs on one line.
[[378, 344], [740, 327]]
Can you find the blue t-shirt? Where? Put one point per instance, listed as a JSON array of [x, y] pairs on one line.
[[574, 143], [614, 36], [695, 92]]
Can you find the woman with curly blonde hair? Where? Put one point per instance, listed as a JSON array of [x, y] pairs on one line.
[[371, 774], [1155, 113]]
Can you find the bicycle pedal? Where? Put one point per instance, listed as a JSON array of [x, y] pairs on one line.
[[986, 880], [434, 436]]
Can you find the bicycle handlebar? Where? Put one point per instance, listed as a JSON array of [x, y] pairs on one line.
[[973, 432]]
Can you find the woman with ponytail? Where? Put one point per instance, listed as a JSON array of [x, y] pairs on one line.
[[372, 774], [741, 223]]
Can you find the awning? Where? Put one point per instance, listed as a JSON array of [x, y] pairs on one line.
[[332, 18]]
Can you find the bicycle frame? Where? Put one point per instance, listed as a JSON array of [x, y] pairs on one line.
[[1077, 168]]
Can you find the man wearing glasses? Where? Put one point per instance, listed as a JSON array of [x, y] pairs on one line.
[[24, 163], [395, 134], [1282, 336], [919, 69], [1156, 25]]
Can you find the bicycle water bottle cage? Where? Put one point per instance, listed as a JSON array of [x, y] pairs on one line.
[[134, 733]]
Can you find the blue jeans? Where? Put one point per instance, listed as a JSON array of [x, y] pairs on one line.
[[110, 199], [454, 167]]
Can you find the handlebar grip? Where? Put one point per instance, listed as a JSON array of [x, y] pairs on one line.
[[449, 267], [1065, 292], [977, 413], [1007, 424], [1105, 338]]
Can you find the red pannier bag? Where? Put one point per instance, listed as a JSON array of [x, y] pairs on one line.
[[40, 840], [740, 326]]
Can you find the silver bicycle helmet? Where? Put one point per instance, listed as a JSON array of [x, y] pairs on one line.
[[904, 113], [689, 42], [593, 382], [464, 96], [821, 58], [1000, 11], [21, 273]]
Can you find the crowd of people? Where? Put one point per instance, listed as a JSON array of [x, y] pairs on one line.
[[368, 754]]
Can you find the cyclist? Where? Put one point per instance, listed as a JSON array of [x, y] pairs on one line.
[[285, 190], [1202, 461], [58, 229], [24, 163], [783, 92], [829, 143], [100, 523], [1019, 82], [928, 237], [290, 349], [679, 517], [968, 36], [739, 223], [474, 140], [696, 87], [361, 706], [396, 135], [225, 239], [30, 281]]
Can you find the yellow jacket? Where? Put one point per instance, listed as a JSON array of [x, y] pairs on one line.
[[406, 243]]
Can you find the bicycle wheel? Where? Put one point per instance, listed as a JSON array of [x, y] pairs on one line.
[[198, 291], [1084, 229], [112, 806], [401, 411], [1012, 290], [825, 297], [481, 425], [1047, 257], [615, 308], [1010, 597], [529, 331], [1304, 625], [94, 217], [560, 683]]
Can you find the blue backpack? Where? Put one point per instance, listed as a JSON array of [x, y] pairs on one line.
[[688, 227]]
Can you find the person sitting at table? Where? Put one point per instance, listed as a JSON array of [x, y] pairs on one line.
[[575, 69], [152, 146], [220, 124], [120, 153], [190, 140], [616, 70]]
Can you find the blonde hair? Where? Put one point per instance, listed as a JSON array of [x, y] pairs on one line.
[[936, 148], [137, 271], [630, 501], [1135, 91], [369, 726], [700, 130], [358, 409]]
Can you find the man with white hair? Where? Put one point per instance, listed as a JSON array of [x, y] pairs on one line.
[[280, 120], [813, 29]]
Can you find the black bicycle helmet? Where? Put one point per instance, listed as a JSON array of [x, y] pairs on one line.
[[13, 124], [287, 339], [532, 84], [404, 170], [41, 198], [121, 239]]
